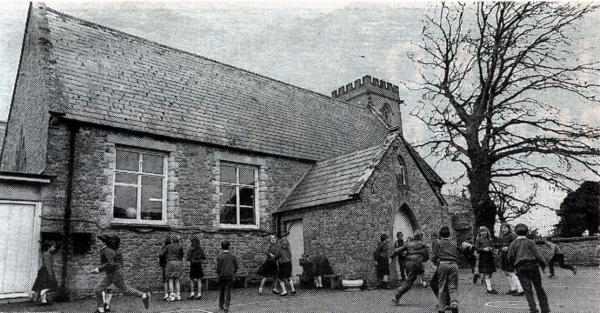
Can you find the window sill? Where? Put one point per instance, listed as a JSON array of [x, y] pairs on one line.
[[120, 224], [238, 227]]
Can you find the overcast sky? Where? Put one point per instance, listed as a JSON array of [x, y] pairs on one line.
[[319, 45]]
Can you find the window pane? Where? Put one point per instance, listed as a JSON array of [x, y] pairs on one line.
[[246, 176], [125, 202], [228, 196], [152, 163], [228, 174], [126, 178], [227, 215], [127, 160], [152, 188], [247, 196], [247, 216]]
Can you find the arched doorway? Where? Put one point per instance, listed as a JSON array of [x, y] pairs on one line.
[[404, 222]]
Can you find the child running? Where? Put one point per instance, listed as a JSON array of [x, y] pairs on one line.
[[557, 257], [445, 254], [111, 261], [227, 266], [195, 256], [416, 254], [526, 258], [506, 238]]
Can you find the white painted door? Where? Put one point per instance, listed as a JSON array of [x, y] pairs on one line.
[[296, 239], [19, 247]]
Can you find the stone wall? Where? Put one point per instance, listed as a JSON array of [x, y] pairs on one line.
[[578, 250], [192, 202], [348, 232]]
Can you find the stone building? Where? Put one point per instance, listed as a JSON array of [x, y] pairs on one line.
[[139, 139]]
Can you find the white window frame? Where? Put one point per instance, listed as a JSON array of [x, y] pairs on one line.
[[237, 186], [138, 185]]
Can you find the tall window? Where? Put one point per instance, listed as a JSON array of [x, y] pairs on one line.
[[401, 176], [238, 187], [140, 186], [386, 111]]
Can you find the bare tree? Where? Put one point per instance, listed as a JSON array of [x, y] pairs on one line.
[[486, 69]]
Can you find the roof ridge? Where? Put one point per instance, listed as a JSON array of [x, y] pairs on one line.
[[197, 56]]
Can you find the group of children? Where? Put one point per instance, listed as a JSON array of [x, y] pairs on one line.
[[520, 260], [277, 266]]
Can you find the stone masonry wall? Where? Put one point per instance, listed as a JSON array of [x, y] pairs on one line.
[[347, 233], [578, 250], [192, 203]]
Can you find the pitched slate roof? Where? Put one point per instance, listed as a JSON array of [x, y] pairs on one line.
[[343, 177], [336, 179], [111, 78]]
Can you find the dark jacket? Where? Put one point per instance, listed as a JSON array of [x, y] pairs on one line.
[[507, 239], [523, 250], [416, 251], [173, 252], [382, 251], [444, 250], [227, 265], [110, 260], [195, 255]]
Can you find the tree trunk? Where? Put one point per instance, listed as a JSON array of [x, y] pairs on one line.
[[484, 208]]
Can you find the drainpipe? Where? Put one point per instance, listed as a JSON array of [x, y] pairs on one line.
[[73, 129]]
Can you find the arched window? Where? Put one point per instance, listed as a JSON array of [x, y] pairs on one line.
[[386, 111], [401, 174]]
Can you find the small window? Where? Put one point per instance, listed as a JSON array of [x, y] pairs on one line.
[[140, 186], [238, 194], [386, 111], [401, 175]]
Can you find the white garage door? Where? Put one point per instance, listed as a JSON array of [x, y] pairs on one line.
[[296, 239], [19, 247]]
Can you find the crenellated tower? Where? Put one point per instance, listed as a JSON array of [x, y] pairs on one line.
[[381, 96]]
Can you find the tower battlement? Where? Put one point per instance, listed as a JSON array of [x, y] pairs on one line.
[[367, 83]]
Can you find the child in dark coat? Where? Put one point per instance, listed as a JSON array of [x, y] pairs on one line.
[[46, 279], [445, 254], [195, 256], [526, 258], [382, 256], [111, 262], [227, 266]]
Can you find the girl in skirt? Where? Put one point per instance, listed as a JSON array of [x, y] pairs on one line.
[[269, 267], [46, 280], [487, 264], [173, 253], [284, 260], [162, 261], [196, 256], [506, 237]]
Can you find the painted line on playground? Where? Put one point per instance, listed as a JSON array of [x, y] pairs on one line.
[[503, 304], [189, 310]]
